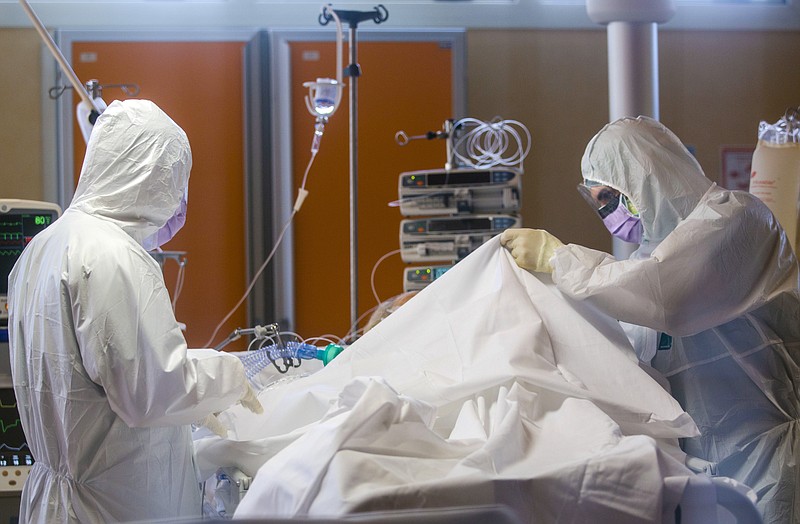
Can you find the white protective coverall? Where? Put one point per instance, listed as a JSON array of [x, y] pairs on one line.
[[105, 386], [716, 272]]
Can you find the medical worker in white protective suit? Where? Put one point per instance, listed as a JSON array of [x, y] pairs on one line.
[[105, 386], [710, 298]]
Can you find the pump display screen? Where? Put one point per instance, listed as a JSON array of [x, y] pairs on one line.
[[14, 449], [470, 177], [16, 231], [462, 224]]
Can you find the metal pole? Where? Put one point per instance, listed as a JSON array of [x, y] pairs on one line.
[[56, 52], [353, 97], [377, 15], [632, 62], [632, 69]]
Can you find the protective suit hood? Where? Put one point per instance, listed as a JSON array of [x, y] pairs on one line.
[[136, 168], [649, 164]]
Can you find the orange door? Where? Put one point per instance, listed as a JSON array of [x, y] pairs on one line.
[[405, 85]]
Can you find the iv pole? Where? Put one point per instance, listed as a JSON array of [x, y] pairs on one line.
[[378, 14]]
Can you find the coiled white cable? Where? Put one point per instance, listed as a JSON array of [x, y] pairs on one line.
[[487, 144]]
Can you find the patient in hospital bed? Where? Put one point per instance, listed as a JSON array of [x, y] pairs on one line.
[[488, 387]]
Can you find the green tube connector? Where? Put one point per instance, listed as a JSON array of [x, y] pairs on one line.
[[329, 353]]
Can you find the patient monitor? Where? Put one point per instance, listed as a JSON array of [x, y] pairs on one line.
[[20, 221]]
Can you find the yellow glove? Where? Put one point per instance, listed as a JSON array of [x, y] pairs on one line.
[[213, 423], [531, 248], [250, 400]]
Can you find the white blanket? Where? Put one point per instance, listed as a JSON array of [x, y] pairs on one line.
[[489, 386]]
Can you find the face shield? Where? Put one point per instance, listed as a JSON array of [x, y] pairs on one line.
[[618, 213], [604, 200]]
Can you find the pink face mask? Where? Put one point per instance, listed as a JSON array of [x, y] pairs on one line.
[[624, 225], [169, 230]]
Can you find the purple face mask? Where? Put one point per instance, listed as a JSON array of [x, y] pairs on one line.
[[169, 230], [623, 225]]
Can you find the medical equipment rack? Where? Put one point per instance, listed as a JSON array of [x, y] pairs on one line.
[[450, 213]]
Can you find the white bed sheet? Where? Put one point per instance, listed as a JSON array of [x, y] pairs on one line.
[[487, 387]]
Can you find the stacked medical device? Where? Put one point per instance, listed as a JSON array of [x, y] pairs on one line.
[[20, 221], [452, 211]]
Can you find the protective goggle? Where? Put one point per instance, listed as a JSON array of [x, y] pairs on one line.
[[602, 199]]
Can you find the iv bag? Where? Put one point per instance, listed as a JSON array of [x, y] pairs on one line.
[[775, 174]]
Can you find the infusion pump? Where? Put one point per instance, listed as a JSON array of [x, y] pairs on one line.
[[418, 277], [449, 238], [460, 191]]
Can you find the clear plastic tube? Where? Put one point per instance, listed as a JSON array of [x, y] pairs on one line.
[[285, 356]]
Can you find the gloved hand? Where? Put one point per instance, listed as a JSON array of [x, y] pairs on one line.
[[531, 248], [250, 400], [213, 423]]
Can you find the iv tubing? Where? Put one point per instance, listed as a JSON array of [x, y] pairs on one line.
[[374, 268], [56, 52], [301, 195]]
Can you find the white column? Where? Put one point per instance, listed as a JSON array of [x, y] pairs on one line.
[[632, 70], [632, 29]]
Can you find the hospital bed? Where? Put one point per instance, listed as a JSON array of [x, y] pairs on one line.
[[487, 388], [731, 503]]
